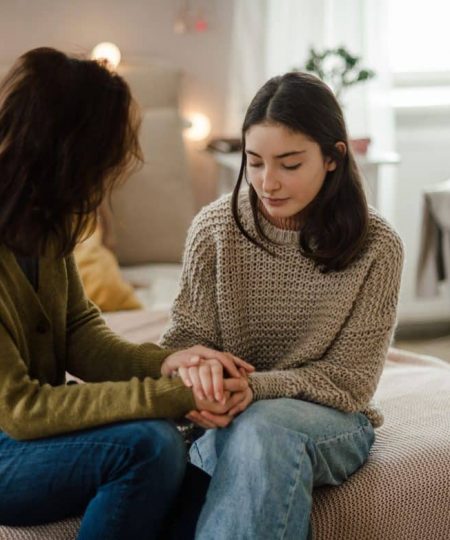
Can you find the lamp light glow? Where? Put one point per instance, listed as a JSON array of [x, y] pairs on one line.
[[109, 52], [199, 126]]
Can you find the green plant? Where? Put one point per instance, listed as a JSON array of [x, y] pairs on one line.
[[338, 68]]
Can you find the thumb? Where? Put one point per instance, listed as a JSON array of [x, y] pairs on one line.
[[235, 385], [194, 360]]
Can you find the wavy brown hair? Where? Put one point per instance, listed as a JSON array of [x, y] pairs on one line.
[[336, 221], [68, 133]]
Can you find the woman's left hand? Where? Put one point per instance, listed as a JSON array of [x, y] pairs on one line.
[[208, 420]]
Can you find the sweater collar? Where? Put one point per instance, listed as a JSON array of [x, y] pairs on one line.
[[275, 234]]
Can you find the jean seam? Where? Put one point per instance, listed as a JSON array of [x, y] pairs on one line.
[[292, 489], [195, 445]]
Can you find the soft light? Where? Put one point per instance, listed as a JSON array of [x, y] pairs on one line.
[[107, 51], [199, 127]]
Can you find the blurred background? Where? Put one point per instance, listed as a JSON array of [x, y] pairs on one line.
[[396, 98]]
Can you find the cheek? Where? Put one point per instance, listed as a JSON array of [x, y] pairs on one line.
[[307, 186], [254, 179]]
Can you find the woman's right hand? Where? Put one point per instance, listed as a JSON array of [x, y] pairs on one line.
[[203, 370], [210, 414], [207, 376]]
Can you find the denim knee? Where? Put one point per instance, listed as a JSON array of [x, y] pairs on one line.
[[158, 441]]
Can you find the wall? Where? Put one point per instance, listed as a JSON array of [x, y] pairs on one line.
[[423, 135], [143, 29]]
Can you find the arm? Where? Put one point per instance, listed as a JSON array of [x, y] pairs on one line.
[[194, 317], [347, 375], [94, 352], [29, 409]]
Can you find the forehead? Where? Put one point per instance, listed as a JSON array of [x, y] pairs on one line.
[[275, 137]]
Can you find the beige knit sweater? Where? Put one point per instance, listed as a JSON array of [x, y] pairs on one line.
[[312, 336]]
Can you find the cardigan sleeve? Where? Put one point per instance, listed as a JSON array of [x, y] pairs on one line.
[[194, 315], [95, 353], [29, 409], [347, 375]]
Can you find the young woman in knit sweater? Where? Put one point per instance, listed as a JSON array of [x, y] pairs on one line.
[[68, 132], [300, 277]]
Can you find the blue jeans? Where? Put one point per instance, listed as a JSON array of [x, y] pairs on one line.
[[265, 465], [124, 477]]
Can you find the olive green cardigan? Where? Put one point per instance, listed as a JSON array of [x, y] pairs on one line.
[[57, 329]]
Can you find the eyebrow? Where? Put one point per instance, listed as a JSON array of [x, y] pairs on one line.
[[279, 156]]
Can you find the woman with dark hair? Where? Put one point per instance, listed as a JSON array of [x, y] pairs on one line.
[[301, 277], [68, 133]]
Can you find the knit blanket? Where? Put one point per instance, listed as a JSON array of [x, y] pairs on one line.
[[401, 493]]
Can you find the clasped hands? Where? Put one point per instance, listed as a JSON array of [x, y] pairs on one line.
[[219, 383]]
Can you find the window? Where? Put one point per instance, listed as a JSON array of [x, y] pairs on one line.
[[419, 37]]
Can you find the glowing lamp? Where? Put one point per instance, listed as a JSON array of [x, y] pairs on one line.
[[199, 127], [108, 52]]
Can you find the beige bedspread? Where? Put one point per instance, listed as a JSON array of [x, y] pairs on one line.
[[403, 491]]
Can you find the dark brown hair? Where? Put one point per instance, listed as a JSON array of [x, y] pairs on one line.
[[336, 221], [68, 133]]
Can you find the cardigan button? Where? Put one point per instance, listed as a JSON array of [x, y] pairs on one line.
[[42, 327]]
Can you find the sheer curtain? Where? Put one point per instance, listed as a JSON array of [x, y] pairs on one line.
[[274, 36]]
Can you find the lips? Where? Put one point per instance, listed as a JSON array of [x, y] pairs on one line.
[[275, 201]]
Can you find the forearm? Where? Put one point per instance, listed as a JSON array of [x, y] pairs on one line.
[[95, 353], [345, 378], [30, 410]]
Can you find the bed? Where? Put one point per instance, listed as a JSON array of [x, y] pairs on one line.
[[403, 491]]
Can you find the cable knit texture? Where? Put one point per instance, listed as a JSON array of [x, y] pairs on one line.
[[313, 336]]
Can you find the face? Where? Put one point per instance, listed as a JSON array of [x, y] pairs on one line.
[[286, 169]]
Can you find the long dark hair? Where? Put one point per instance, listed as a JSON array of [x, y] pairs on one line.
[[68, 133], [336, 221]]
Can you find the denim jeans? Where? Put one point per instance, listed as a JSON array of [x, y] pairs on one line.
[[124, 477], [265, 465]]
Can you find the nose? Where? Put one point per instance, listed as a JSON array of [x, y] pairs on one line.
[[269, 180]]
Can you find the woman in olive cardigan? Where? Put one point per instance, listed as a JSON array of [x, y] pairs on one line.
[[68, 133]]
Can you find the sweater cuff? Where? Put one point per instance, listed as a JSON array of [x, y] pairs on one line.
[[150, 359], [178, 401], [264, 386]]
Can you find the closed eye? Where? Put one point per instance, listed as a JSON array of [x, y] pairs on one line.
[[254, 164], [292, 167]]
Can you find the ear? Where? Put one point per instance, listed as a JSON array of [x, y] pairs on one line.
[[331, 164]]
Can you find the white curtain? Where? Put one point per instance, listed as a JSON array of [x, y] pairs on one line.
[[271, 37], [248, 58]]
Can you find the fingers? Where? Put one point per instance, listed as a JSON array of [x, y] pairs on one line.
[[197, 418], [205, 376], [217, 380], [225, 359], [194, 360], [228, 363], [219, 420], [242, 363], [242, 405], [196, 383], [179, 359], [235, 385], [183, 372], [244, 373]]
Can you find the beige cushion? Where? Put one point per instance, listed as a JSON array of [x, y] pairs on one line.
[[153, 209], [101, 276]]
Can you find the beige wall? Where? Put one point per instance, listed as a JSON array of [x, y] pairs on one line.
[[142, 29]]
